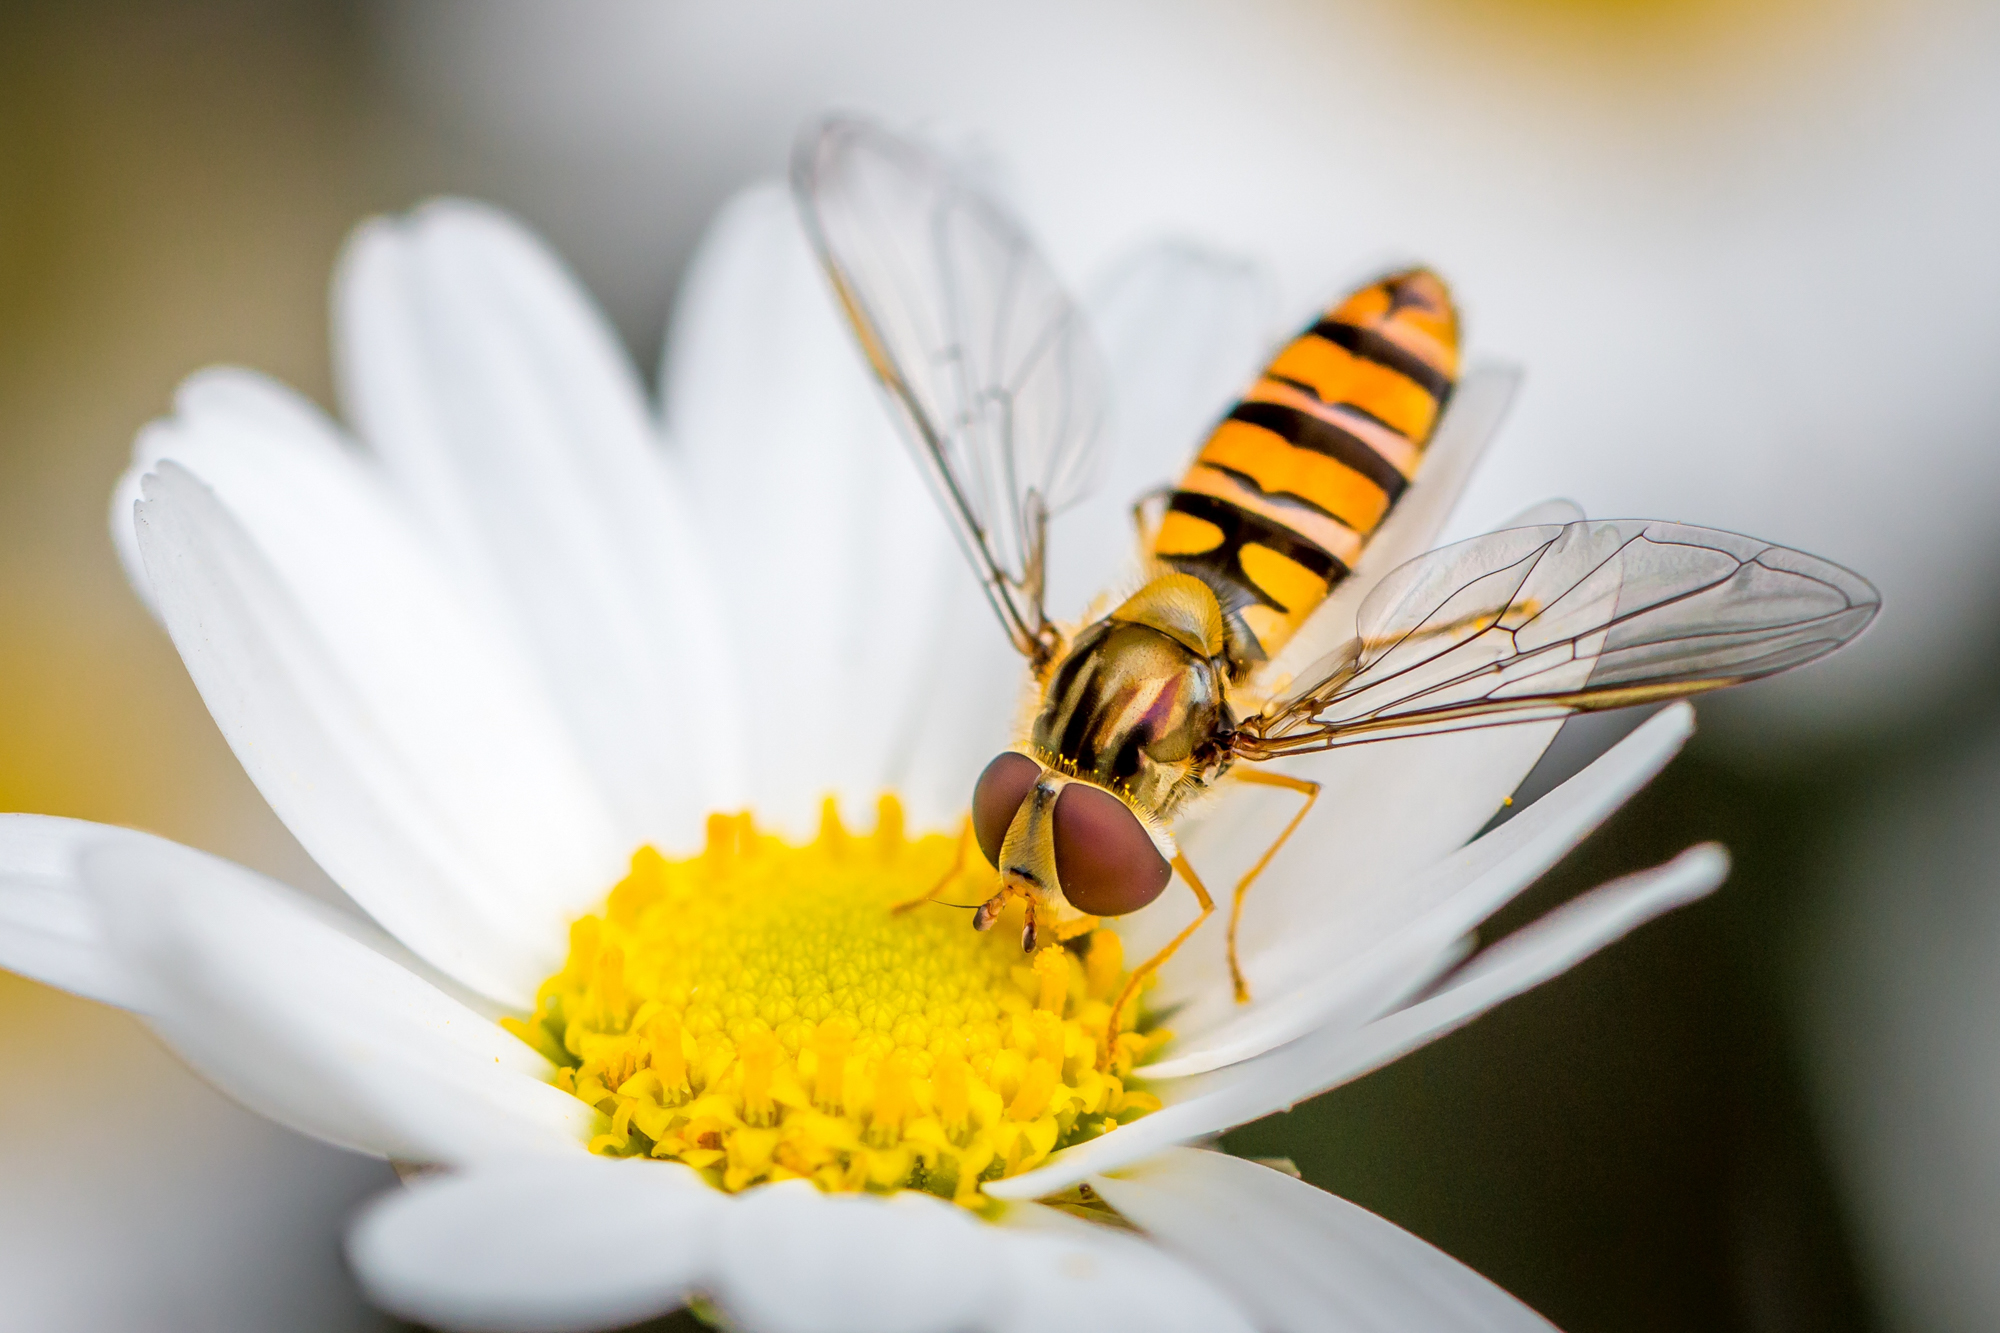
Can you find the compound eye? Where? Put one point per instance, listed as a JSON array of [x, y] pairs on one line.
[[1107, 862], [998, 794]]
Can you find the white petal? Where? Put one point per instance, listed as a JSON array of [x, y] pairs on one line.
[[835, 561], [1386, 814], [1304, 1260], [790, 1259], [964, 709], [446, 687], [502, 405], [538, 1246], [1527, 958], [1184, 331], [251, 437], [1066, 1274], [276, 1001], [549, 1245], [1210, 1103], [1351, 959], [48, 925], [414, 775]]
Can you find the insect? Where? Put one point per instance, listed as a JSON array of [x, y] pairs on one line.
[[990, 370]]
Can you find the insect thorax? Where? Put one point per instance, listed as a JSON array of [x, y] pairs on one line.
[[1135, 709]]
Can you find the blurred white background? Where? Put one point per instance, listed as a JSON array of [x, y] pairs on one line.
[[1746, 252]]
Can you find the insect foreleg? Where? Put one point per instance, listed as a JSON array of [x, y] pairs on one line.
[[1306, 788], [1153, 964], [957, 864]]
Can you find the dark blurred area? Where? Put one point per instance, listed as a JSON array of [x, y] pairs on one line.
[[1664, 1139], [1629, 1147]]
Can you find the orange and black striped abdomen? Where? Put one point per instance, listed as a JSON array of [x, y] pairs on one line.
[[1281, 500]]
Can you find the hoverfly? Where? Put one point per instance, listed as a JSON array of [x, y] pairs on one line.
[[991, 373]]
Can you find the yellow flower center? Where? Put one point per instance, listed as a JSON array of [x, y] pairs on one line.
[[762, 1012]]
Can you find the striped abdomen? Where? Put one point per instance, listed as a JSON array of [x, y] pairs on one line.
[[1279, 503]]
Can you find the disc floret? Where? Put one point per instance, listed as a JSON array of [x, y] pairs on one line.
[[759, 1013]]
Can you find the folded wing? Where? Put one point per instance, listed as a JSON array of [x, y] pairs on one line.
[[987, 362], [1540, 622]]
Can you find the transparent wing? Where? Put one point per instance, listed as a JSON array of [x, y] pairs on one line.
[[988, 363], [1541, 622]]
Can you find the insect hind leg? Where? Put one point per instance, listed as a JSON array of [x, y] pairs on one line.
[[1285, 782], [1153, 964]]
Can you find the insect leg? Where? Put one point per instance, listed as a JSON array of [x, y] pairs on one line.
[[1285, 782], [1153, 964], [957, 864]]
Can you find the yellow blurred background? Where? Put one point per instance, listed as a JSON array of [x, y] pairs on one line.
[[1746, 250], [174, 181]]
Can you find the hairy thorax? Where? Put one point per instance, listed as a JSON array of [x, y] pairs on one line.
[[1137, 704]]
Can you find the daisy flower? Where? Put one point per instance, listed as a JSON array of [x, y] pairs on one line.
[[625, 728]]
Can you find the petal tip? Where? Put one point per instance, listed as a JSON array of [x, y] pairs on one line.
[[1706, 865], [448, 213], [1677, 717]]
